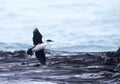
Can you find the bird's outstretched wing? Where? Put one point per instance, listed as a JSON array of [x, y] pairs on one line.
[[37, 37], [41, 56]]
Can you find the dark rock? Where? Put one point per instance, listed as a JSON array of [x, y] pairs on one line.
[[24, 63], [116, 56], [68, 69], [36, 65], [117, 53]]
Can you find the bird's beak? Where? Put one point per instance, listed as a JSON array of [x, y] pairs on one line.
[[52, 41]]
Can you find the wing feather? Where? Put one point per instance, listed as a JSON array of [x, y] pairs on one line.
[[41, 56], [37, 37]]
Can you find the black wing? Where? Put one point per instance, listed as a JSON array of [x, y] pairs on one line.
[[41, 56], [37, 37]]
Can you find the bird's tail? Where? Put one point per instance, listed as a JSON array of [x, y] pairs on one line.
[[29, 52]]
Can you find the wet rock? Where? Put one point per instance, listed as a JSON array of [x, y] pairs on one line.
[[61, 68], [36, 65], [20, 54], [113, 57], [117, 53], [24, 63]]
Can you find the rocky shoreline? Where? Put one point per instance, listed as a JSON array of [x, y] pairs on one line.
[[62, 68]]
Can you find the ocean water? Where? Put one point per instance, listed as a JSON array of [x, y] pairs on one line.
[[74, 25]]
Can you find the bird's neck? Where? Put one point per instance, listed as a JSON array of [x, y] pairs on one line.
[[45, 43]]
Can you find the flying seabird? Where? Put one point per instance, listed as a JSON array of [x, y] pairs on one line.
[[39, 46]]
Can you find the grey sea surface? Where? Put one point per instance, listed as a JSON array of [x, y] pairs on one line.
[[74, 25]]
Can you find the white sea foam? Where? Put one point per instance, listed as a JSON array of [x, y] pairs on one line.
[[74, 25]]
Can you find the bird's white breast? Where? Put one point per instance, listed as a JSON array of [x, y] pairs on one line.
[[39, 47]]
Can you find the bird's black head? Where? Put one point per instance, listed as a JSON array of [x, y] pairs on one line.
[[49, 40], [29, 51]]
